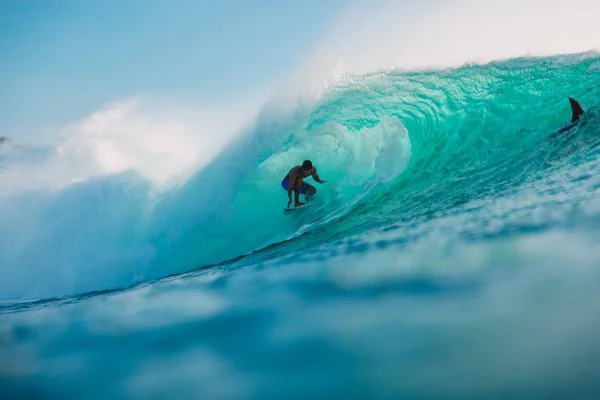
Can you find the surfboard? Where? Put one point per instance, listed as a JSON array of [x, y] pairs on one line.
[[287, 211]]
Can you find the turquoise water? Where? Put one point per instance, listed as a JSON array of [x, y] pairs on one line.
[[453, 253]]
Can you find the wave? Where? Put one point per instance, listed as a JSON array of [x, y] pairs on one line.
[[393, 145]]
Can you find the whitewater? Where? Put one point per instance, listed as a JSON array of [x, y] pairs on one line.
[[452, 253]]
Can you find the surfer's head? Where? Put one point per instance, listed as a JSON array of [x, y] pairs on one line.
[[307, 166]]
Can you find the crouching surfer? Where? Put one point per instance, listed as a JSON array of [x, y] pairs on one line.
[[294, 181]]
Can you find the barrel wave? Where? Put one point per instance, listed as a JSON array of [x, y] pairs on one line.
[[452, 252], [393, 146]]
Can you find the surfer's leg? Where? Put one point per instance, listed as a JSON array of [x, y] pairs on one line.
[[299, 186], [309, 191]]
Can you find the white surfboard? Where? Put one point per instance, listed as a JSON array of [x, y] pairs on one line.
[[291, 210]]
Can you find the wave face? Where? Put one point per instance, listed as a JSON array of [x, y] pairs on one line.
[[394, 146], [452, 253]]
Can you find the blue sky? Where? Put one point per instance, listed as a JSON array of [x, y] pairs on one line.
[[63, 59]]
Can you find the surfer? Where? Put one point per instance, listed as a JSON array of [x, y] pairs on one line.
[[294, 181]]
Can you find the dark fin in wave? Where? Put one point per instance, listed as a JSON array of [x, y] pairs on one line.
[[576, 110], [576, 113]]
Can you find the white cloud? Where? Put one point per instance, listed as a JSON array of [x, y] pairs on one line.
[[164, 143]]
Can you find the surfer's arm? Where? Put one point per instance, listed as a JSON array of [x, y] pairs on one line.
[[316, 177]]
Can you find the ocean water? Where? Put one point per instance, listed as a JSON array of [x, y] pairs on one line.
[[453, 253]]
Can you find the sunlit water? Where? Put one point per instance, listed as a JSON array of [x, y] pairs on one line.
[[453, 253]]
